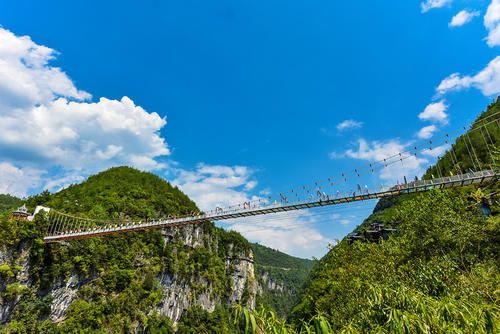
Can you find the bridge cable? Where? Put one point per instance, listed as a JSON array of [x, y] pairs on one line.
[[58, 219], [59, 224], [471, 156], [473, 151], [492, 144], [487, 146], [379, 161], [438, 169], [458, 170], [51, 227]]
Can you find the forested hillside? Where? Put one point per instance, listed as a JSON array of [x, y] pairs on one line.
[[281, 277]]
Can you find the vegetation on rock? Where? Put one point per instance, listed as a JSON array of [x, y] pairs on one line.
[[120, 272]]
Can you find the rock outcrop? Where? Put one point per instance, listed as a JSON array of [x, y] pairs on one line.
[[178, 293]]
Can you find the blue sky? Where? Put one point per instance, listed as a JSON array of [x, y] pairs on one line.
[[233, 100]]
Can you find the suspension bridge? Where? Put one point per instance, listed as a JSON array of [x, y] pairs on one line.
[[319, 194]]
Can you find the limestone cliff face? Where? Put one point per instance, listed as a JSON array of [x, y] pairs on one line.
[[16, 258], [271, 284], [179, 294]]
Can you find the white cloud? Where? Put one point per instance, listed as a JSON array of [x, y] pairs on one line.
[[86, 136], [265, 192], [487, 80], [49, 124], [492, 23], [63, 182], [436, 151], [17, 181], [426, 132], [376, 151], [430, 4], [211, 186], [250, 185], [349, 124], [288, 232], [54, 135], [435, 112], [26, 78], [335, 155], [462, 18]]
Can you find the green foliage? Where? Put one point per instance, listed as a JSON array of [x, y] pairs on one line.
[[198, 321], [264, 320], [8, 203], [429, 277], [7, 272], [285, 270], [13, 290], [120, 272], [439, 272], [232, 242], [269, 257], [13, 231], [159, 325]]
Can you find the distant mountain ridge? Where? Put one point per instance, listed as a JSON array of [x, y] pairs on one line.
[[281, 277]]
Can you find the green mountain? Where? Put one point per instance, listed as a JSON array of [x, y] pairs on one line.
[[281, 277], [133, 282], [119, 192]]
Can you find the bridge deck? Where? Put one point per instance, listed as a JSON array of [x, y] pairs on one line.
[[412, 187]]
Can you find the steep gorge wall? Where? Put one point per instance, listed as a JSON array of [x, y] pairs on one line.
[[179, 293]]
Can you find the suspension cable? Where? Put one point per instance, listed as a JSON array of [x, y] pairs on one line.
[[453, 154], [473, 151], [492, 144], [487, 146]]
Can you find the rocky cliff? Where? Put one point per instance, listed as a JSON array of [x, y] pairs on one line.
[[178, 292]]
